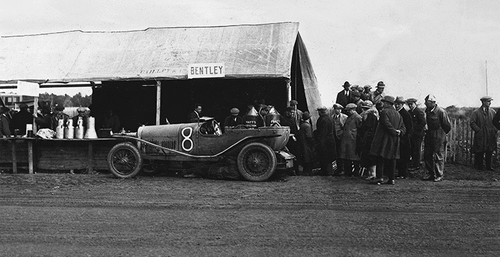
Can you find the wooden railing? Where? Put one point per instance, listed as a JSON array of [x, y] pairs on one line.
[[459, 144]]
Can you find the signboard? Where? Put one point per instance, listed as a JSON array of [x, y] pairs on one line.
[[28, 88], [206, 70]]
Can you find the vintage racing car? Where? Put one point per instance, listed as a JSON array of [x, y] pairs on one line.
[[255, 153]]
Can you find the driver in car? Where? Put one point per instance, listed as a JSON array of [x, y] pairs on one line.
[[232, 120]]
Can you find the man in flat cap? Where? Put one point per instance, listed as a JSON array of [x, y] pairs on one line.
[[345, 96], [306, 143], [378, 94], [349, 143], [57, 115], [296, 113], [485, 134], [385, 145], [325, 134], [438, 125], [367, 93], [232, 120], [339, 120], [417, 133]]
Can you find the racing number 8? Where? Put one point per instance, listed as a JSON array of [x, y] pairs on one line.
[[187, 138]]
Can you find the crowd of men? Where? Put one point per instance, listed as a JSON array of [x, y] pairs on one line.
[[368, 133]]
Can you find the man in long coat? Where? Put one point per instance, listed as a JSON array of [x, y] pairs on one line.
[[350, 142], [385, 144], [438, 125], [485, 134], [417, 133], [305, 141], [4, 122], [404, 143], [327, 152]]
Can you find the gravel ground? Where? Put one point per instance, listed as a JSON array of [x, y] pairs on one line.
[[61, 214]]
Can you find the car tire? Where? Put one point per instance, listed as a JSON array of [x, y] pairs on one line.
[[256, 162], [124, 160]]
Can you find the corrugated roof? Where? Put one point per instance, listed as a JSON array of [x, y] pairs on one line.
[[248, 51]]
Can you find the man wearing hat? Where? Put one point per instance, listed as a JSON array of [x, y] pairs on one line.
[[325, 134], [370, 118], [4, 122], [296, 113], [438, 125], [367, 93], [20, 119], [349, 148], [305, 140], [356, 99], [404, 144], [345, 96], [232, 120], [339, 120], [485, 134], [378, 94], [385, 145], [417, 132]]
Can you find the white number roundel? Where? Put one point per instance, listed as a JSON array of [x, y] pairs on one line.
[[187, 139]]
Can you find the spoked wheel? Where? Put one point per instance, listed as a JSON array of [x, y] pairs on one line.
[[124, 160], [256, 162]]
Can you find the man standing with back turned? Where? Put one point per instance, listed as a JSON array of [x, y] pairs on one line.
[[438, 125]]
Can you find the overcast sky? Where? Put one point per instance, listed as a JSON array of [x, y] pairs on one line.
[[449, 48]]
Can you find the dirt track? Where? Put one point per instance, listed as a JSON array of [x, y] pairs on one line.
[[97, 215]]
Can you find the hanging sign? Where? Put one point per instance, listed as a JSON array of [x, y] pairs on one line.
[[206, 70], [28, 88]]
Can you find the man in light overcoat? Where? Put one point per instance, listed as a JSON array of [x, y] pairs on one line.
[[438, 125]]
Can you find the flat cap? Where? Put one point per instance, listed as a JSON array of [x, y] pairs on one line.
[[367, 86], [322, 108], [367, 104], [351, 106], [388, 99], [356, 93], [59, 108], [294, 102], [411, 100], [380, 84], [486, 98], [338, 106], [235, 111]]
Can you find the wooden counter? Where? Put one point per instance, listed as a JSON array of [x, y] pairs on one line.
[[56, 154]]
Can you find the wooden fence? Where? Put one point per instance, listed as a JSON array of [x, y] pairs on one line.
[[459, 146]]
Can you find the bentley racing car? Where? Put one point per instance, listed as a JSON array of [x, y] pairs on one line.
[[254, 153]]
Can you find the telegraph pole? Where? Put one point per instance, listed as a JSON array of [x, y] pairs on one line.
[[486, 62]]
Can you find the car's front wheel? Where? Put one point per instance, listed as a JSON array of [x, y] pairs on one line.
[[124, 160], [256, 162]]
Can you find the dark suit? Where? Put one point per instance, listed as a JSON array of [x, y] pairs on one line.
[[404, 144], [344, 99], [417, 136]]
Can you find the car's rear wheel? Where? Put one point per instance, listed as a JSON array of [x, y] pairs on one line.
[[256, 162], [124, 160]]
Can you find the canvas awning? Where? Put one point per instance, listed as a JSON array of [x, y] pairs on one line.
[[247, 51]]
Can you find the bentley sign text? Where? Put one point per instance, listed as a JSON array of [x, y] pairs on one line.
[[206, 70]]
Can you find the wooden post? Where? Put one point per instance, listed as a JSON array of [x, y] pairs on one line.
[[158, 102], [14, 157], [90, 168], [30, 156]]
